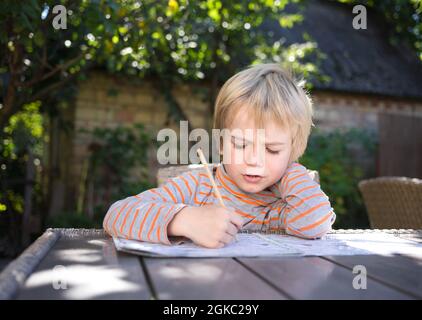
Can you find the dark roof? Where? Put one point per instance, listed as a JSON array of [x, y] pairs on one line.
[[358, 61]]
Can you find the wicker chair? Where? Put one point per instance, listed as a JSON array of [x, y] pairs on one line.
[[393, 202], [166, 173]]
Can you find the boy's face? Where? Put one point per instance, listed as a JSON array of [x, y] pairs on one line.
[[257, 158]]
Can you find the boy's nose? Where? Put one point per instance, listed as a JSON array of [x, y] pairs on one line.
[[255, 157]]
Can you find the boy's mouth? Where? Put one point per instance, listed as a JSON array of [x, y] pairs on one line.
[[252, 178]]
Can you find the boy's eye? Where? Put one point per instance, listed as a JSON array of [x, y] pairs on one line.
[[273, 151]]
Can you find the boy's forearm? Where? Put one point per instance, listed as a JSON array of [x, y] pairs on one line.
[[308, 213], [146, 216], [140, 218]]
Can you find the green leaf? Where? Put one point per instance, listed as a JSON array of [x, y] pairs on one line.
[[39, 39]]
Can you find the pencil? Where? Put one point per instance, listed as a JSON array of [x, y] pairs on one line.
[[217, 192], [205, 163]]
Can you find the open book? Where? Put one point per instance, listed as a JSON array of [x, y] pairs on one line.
[[278, 245]]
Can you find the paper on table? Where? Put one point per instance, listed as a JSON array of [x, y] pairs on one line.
[[276, 245], [247, 245]]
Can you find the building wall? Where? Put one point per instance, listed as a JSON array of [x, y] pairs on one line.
[[343, 111], [109, 101]]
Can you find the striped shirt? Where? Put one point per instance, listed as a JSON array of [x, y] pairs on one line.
[[295, 204]]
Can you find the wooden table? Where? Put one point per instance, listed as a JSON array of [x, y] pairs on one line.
[[83, 264]]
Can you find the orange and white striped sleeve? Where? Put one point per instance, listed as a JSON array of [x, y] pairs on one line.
[[146, 216], [308, 212]]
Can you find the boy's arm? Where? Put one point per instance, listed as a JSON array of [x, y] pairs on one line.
[[146, 216], [308, 213]]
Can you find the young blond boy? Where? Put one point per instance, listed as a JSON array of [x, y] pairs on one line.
[[263, 186]]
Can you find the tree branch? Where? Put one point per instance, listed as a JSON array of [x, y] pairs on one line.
[[54, 86], [58, 68]]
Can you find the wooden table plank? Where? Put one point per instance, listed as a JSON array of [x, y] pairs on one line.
[[92, 269], [401, 272], [316, 278], [13, 277], [222, 278]]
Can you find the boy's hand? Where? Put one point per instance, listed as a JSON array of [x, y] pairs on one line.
[[210, 226]]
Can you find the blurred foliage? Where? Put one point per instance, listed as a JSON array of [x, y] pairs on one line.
[[172, 41], [25, 131], [116, 168], [119, 150], [404, 17], [343, 158], [72, 220], [118, 164]]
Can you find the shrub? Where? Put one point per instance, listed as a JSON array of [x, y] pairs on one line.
[[343, 158], [117, 167]]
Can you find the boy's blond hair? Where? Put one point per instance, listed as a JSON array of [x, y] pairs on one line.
[[269, 92]]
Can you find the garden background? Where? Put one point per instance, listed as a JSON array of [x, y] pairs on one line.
[[80, 106]]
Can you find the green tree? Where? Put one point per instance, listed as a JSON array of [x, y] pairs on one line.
[[171, 41]]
